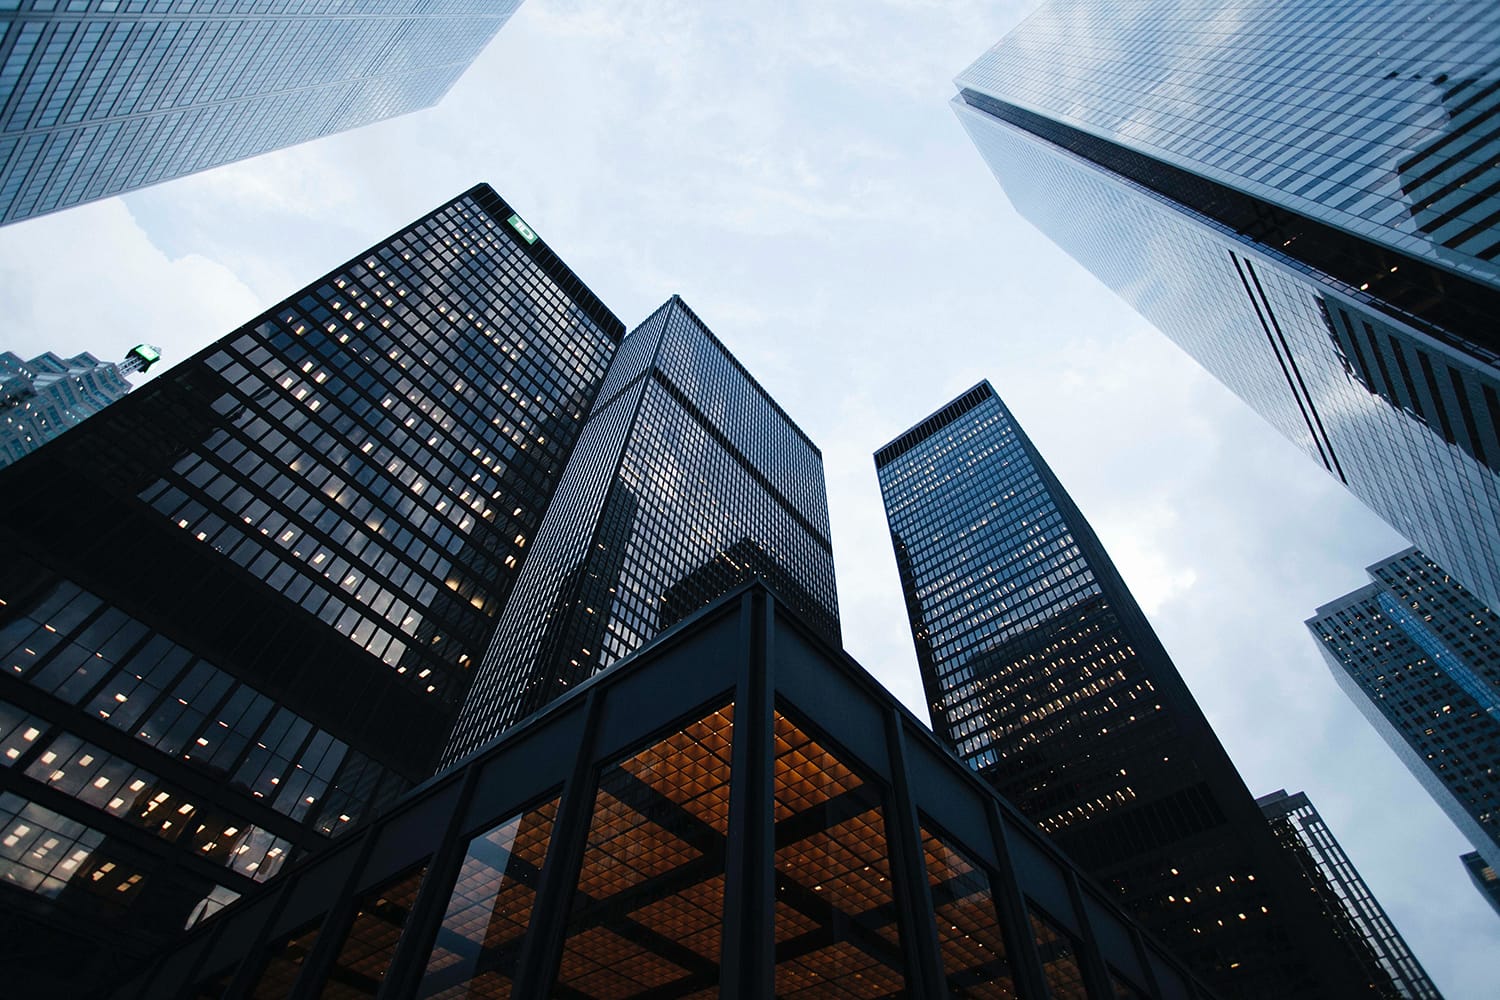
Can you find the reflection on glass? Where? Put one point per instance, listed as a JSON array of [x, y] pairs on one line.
[[18, 731], [836, 931], [367, 950], [1059, 954], [968, 930], [284, 963], [650, 896], [479, 942], [44, 852]]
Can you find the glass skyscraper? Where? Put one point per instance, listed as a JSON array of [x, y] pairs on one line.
[[1042, 674], [1346, 898], [239, 609], [687, 480], [98, 97], [41, 398], [1420, 657], [1303, 194]]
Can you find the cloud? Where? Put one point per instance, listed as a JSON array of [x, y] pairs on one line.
[[90, 279]]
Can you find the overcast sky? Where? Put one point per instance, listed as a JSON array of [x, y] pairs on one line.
[[794, 172]]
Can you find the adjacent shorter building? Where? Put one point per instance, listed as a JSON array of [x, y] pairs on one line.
[[1044, 676], [1346, 898], [239, 608], [1484, 877], [1420, 657], [739, 810], [688, 479], [105, 97], [41, 398]]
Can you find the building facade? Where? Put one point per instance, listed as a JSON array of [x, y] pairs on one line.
[[1484, 877], [739, 811], [1044, 676], [1419, 656], [240, 607], [106, 96], [41, 398], [1302, 196], [688, 479], [1346, 898]]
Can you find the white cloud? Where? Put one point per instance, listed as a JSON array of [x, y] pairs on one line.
[[90, 279]]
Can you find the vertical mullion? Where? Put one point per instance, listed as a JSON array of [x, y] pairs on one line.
[[1095, 973], [339, 918], [749, 948], [420, 929], [543, 947], [1144, 958], [913, 893], [1025, 963]]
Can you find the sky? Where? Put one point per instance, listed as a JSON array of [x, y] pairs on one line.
[[794, 172]]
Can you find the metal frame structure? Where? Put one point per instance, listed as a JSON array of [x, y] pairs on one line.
[[808, 725]]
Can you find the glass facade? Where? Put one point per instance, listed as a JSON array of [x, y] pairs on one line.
[[1043, 675], [1420, 656], [98, 97], [1300, 195], [240, 607], [1346, 898], [41, 398], [687, 480], [739, 810]]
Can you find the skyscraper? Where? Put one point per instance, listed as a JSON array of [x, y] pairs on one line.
[[1302, 195], [101, 98], [1346, 897], [687, 480], [1042, 673], [1420, 656], [239, 608], [41, 398]]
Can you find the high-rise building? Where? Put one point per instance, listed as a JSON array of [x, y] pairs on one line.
[[1346, 898], [1043, 674], [1303, 195], [1420, 657], [41, 398], [738, 811], [687, 480], [239, 608], [1484, 877], [101, 98]]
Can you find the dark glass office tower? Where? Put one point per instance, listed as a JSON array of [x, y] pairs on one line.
[[41, 398], [1420, 657], [1346, 898], [1303, 195], [1042, 673], [688, 479], [239, 607], [98, 98]]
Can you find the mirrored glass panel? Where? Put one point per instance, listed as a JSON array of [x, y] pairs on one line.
[[969, 935], [366, 953], [646, 916], [836, 932], [480, 940]]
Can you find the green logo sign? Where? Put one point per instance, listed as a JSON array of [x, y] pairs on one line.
[[145, 352], [519, 225]]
